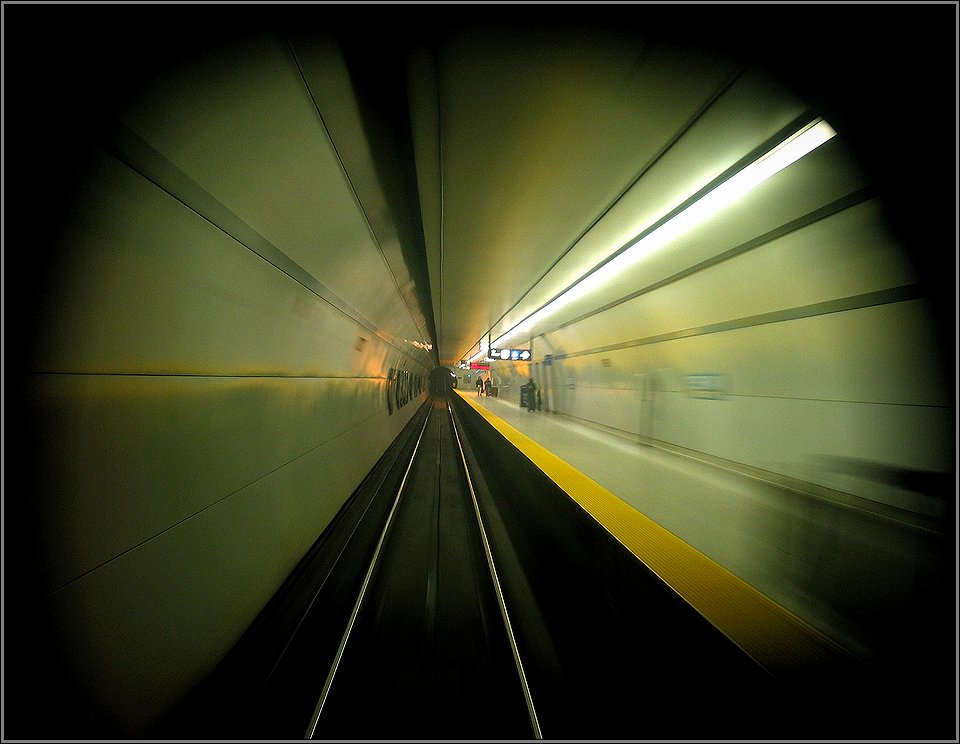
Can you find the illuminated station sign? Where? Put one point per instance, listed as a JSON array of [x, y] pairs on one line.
[[509, 355]]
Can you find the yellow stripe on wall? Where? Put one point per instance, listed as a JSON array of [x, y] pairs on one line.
[[774, 637]]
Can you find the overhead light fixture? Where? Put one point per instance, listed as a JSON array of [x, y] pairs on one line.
[[790, 150], [484, 347]]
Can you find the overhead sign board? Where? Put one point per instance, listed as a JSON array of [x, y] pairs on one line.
[[509, 355]]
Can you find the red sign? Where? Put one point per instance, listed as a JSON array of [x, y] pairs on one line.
[[477, 365]]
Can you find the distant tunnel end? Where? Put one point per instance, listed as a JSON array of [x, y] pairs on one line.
[[442, 381]]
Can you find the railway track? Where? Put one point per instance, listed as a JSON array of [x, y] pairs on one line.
[[429, 651], [461, 594]]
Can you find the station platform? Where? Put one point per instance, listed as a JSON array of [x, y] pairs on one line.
[[822, 557]]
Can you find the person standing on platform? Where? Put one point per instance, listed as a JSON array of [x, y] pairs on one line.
[[487, 384], [479, 386]]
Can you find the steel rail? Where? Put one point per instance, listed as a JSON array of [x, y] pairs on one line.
[[311, 729], [531, 710]]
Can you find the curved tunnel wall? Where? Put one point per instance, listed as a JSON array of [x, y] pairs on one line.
[[795, 336], [842, 375], [211, 379]]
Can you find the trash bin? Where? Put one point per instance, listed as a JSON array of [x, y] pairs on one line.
[[524, 393]]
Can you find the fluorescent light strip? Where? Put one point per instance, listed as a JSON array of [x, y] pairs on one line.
[[727, 193], [484, 347]]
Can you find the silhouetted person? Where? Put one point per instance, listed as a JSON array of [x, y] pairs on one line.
[[531, 395]]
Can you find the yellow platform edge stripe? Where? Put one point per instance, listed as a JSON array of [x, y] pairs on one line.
[[777, 639]]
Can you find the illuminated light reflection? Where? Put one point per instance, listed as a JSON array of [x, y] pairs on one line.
[[727, 193], [420, 344]]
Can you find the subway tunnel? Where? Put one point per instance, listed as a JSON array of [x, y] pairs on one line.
[[257, 257]]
